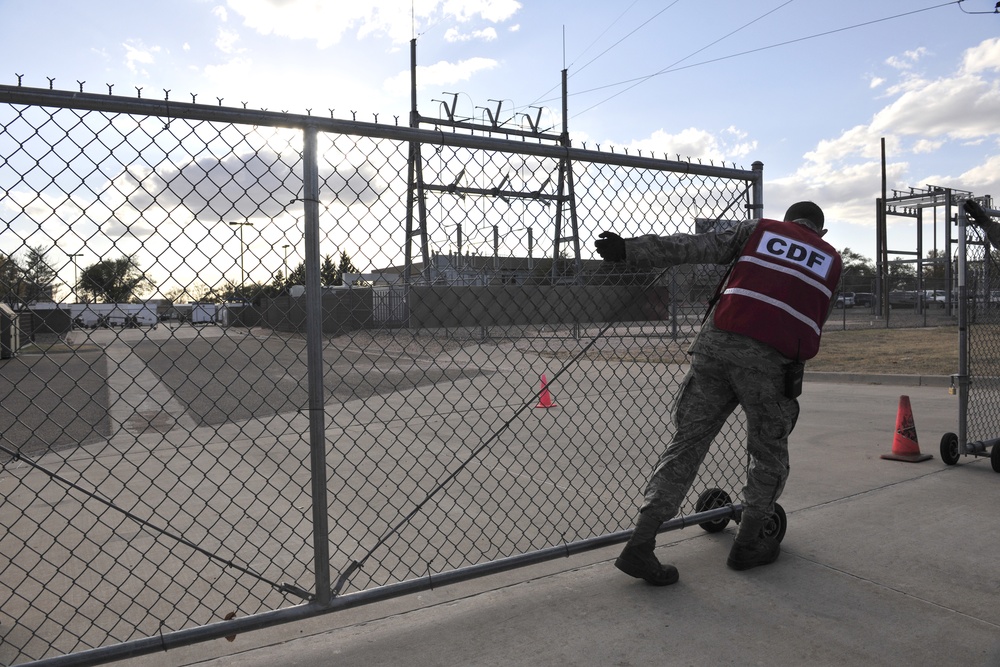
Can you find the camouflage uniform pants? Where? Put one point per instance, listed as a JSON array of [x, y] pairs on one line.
[[709, 393]]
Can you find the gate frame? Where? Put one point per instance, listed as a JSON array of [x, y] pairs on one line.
[[985, 447], [325, 599]]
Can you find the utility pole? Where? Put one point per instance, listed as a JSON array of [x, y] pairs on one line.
[[76, 274], [243, 275]]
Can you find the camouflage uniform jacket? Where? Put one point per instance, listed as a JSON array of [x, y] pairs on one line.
[[710, 248], [992, 232]]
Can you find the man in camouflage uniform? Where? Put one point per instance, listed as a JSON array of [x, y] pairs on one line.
[[727, 369]]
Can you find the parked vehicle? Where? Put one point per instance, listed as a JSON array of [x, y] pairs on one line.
[[845, 300], [107, 315], [901, 298], [936, 298], [865, 299]]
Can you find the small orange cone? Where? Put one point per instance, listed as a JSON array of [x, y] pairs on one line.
[[544, 399], [904, 444]]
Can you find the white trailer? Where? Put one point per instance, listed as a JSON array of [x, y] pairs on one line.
[[203, 313], [95, 315]]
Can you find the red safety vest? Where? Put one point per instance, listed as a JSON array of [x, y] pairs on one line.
[[779, 288]]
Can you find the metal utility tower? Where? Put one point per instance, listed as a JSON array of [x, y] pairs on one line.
[[494, 131]]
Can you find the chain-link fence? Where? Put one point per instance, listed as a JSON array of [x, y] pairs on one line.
[[280, 364]]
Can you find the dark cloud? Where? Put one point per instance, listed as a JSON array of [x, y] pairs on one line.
[[259, 185]]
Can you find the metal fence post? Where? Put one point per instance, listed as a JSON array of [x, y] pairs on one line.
[[314, 355], [963, 330], [757, 192]]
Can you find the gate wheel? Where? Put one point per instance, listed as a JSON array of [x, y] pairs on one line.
[[711, 499], [949, 449], [776, 524]]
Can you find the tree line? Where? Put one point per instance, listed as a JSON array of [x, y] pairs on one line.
[[859, 272], [28, 278], [331, 274], [32, 276]]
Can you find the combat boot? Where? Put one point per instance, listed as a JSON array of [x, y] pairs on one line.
[[752, 547], [638, 560]]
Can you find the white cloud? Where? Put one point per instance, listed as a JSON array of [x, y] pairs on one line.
[[984, 177], [846, 192], [910, 82], [907, 60], [730, 145], [495, 11], [255, 185], [137, 54], [963, 108], [116, 229], [982, 58], [226, 41], [859, 141], [875, 82], [328, 22], [440, 73], [926, 146], [454, 35], [220, 12]]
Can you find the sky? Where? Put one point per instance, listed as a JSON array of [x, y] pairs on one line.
[[808, 88]]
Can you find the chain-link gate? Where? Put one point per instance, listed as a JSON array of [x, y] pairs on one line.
[[311, 415], [978, 379]]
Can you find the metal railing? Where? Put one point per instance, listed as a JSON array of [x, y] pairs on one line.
[[287, 445]]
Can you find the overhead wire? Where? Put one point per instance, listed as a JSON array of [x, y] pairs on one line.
[[635, 81], [624, 37], [649, 20], [605, 31], [596, 39], [694, 53], [996, 9]]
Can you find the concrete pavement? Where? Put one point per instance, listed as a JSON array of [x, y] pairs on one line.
[[884, 563]]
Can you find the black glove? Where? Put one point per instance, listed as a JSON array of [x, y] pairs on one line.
[[976, 213], [610, 247]]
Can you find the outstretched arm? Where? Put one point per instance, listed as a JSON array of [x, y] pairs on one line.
[[675, 249], [983, 220]]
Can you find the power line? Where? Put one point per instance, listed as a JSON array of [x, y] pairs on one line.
[[624, 37], [646, 22], [596, 39], [673, 68], [996, 10], [605, 31], [726, 36]]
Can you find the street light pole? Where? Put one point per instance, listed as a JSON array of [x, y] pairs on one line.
[[285, 248], [76, 274], [243, 275]]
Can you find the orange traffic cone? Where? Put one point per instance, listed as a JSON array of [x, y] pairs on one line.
[[904, 444], [544, 399]]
